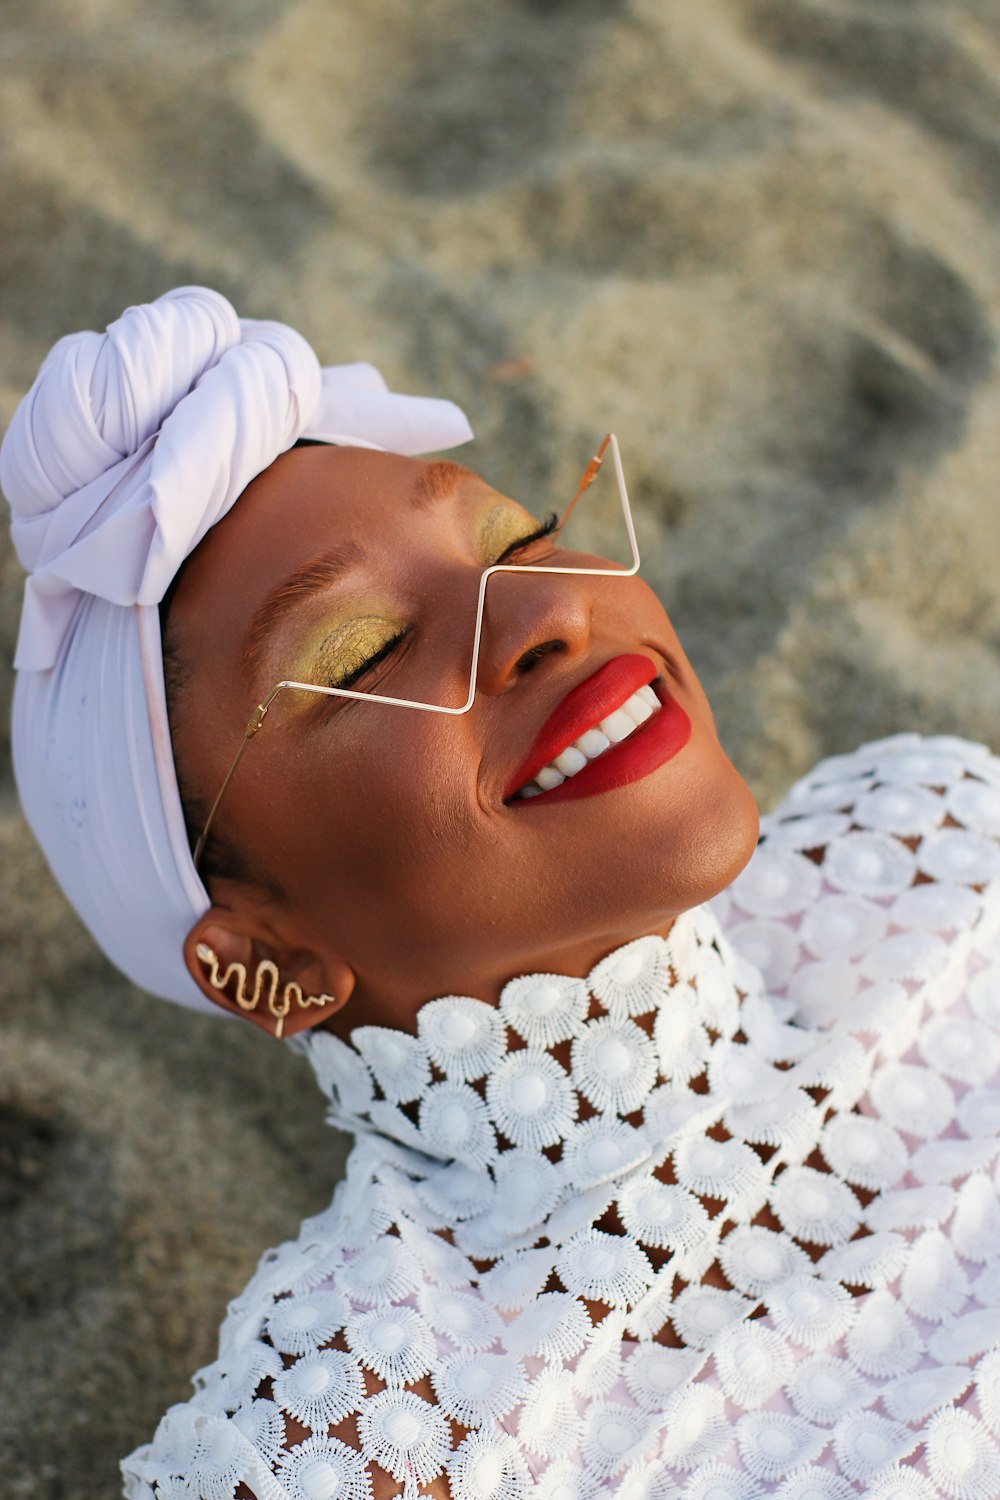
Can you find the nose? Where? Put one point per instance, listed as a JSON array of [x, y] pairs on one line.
[[529, 617]]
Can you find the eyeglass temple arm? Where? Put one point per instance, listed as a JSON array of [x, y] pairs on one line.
[[256, 720], [588, 476]]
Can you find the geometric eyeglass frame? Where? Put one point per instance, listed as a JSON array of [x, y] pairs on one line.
[[261, 711]]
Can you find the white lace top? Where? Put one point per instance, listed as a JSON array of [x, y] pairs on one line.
[[720, 1221]]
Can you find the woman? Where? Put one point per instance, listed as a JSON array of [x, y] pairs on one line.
[[647, 1199]]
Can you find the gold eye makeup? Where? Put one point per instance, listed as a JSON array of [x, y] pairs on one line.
[[348, 650], [505, 526]]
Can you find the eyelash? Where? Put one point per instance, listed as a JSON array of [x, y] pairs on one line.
[[373, 661], [547, 528]]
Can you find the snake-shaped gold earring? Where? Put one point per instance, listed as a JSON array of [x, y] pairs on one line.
[[265, 986]]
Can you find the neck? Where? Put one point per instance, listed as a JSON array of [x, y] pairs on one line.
[[563, 1060], [394, 998]]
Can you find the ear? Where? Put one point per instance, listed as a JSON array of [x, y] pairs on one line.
[[281, 989]]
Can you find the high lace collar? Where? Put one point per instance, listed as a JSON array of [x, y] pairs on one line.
[[601, 1128], [588, 1072]]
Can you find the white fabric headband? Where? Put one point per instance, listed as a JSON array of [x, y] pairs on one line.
[[129, 446]]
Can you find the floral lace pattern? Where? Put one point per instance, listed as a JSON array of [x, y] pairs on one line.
[[719, 1221]]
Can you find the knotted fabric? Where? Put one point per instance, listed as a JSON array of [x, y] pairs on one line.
[[129, 446]]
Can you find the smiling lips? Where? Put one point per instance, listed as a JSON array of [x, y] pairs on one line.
[[611, 729]]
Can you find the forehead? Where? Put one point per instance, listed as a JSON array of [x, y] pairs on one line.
[[325, 496], [343, 486]]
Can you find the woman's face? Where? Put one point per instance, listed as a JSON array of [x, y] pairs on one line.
[[393, 835]]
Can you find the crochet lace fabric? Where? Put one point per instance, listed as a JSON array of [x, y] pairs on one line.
[[719, 1221]]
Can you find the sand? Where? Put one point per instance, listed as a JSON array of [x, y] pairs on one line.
[[758, 239]]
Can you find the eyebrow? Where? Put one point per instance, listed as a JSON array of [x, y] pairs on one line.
[[316, 573], [436, 482]]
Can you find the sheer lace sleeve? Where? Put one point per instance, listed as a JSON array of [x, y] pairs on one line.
[[879, 873], [323, 1386]]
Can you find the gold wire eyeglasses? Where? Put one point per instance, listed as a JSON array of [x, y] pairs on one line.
[[261, 711]]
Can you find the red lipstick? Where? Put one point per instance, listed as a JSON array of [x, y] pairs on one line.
[[651, 745]]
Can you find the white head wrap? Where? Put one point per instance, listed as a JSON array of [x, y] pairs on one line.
[[128, 447]]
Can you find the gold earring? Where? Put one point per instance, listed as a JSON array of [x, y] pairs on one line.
[[266, 979], [294, 991]]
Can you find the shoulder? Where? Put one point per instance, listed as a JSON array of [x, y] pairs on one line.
[[874, 780], [875, 868], [898, 811]]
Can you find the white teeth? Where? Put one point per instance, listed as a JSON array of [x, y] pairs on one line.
[[570, 761], [642, 705], [593, 743], [638, 709], [617, 726]]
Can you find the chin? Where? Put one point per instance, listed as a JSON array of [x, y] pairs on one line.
[[698, 854], [729, 839]]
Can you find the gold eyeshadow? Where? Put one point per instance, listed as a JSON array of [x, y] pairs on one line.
[[346, 648], [503, 525]]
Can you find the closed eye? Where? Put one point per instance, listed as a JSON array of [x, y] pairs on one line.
[[548, 528], [363, 668], [352, 649]]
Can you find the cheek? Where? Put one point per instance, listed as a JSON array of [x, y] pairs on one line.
[[631, 610], [720, 834], [388, 814]]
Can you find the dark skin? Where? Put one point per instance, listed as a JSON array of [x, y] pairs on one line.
[[392, 870]]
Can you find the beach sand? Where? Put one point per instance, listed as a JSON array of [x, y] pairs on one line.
[[758, 239]]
